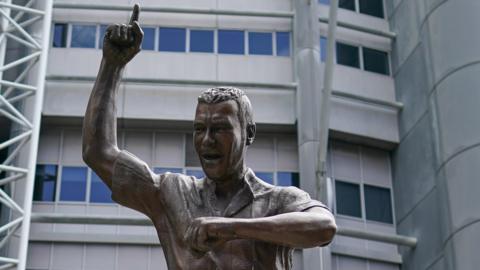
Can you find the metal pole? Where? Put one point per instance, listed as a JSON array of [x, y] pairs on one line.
[[322, 180], [36, 118]]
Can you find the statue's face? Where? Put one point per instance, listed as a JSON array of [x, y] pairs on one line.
[[219, 140]]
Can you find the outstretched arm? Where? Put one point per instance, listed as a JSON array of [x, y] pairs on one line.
[[313, 227], [99, 148]]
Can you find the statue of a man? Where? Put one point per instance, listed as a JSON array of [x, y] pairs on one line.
[[228, 220]]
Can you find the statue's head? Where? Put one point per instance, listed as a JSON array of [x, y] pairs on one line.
[[223, 128]]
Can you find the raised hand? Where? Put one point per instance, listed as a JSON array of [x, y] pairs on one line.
[[122, 41]]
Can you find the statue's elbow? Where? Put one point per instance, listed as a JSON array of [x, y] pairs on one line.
[[327, 232]]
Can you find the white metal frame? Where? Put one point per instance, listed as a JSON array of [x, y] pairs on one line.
[[27, 25]]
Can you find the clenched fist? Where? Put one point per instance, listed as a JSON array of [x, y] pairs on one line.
[[122, 42]]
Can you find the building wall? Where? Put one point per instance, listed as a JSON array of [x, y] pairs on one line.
[[435, 64], [154, 118]]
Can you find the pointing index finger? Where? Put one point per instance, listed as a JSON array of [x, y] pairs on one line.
[[135, 14]]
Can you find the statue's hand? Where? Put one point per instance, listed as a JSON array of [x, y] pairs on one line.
[[207, 233], [122, 42]]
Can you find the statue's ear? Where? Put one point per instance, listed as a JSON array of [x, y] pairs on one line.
[[251, 131]]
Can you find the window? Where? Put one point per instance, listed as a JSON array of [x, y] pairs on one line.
[[265, 176], [347, 4], [323, 49], [260, 43], [372, 7], [325, 2], [45, 182], [83, 36], [376, 61], [348, 199], [348, 55], [148, 42], [172, 39], [201, 40], [73, 183], [288, 179], [99, 192], [165, 170], [60, 35], [197, 173], [378, 205], [283, 43], [231, 42], [101, 32]]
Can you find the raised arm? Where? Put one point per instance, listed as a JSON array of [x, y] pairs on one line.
[[99, 147]]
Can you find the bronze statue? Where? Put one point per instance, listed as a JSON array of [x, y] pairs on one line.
[[228, 220]]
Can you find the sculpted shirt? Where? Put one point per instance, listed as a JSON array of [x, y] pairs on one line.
[[173, 200]]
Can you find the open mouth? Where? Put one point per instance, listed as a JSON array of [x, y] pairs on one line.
[[211, 156]]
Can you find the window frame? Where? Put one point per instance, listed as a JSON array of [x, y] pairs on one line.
[[70, 32], [361, 182], [357, 9], [245, 42], [273, 42], [189, 30], [361, 56]]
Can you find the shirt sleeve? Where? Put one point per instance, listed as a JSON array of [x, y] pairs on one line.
[[292, 199], [134, 185]]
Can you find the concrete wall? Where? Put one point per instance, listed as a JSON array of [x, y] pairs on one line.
[[436, 67]]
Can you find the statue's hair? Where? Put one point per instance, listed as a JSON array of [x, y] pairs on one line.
[[226, 93]]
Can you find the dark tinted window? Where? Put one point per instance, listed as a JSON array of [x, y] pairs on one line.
[[201, 40], [231, 42], [378, 204], [148, 42], [376, 61], [347, 4], [73, 184], [347, 55], [323, 49], [265, 176], [164, 170], [60, 35], [172, 39], [197, 173], [288, 179], [45, 182], [101, 35], [283, 43], [348, 199], [372, 7], [99, 192], [260, 43], [83, 36]]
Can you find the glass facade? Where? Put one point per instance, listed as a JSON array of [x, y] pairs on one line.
[[201, 41], [99, 192], [348, 199], [45, 183], [378, 205], [73, 184], [283, 43], [83, 36], [260, 43], [148, 42], [376, 61], [60, 35], [231, 42], [172, 39], [347, 55]]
